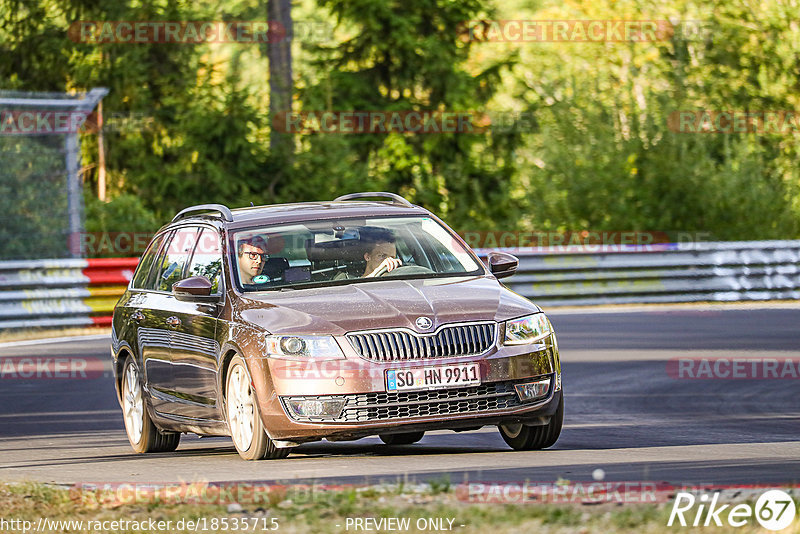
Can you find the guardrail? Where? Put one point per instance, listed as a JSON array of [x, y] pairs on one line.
[[56, 293], [658, 273], [53, 293]]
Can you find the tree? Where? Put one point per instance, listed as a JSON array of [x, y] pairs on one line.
[[403, 56], [279, 51]]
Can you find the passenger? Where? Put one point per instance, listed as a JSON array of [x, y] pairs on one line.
[[251, 258]]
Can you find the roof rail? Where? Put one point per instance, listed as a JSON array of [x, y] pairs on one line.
[[396, 198], [223, 211]]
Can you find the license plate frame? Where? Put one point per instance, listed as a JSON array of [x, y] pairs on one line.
[[433, 377]]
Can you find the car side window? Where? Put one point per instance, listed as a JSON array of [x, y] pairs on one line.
[[174, 261], [149, 256], [207, 258]]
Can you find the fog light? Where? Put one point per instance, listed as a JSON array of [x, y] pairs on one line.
[[533, 390], [301, 408]]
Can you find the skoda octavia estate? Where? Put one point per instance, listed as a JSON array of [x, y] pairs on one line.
[[286, 324]]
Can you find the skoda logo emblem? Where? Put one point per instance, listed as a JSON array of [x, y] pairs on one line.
[[423, 323]]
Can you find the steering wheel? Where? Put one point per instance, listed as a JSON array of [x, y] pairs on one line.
[[408, 269]]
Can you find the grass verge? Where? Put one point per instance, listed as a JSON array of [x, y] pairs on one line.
[[426, 508]]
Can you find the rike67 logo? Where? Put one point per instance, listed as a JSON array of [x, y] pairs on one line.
[[774, 510]]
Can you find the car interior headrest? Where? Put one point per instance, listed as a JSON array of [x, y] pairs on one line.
[[347, 250], [274, 267]]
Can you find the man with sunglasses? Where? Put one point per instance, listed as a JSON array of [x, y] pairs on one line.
[[251, 258]]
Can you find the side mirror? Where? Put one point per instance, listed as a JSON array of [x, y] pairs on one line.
[[195, 289], [502, 265]]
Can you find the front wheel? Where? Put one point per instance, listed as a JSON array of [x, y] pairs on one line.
[[244, 419], [527, 438], [142, 433]]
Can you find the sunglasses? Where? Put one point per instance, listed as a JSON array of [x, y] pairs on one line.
[[255, 255]]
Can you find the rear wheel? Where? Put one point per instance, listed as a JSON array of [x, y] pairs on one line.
[[244, 419], [401, 439], [527, 438], [142, 433]]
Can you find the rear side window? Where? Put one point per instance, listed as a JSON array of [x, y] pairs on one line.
[[176, 257], [207, 259], [149, 256]]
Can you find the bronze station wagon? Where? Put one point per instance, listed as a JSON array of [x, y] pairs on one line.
[[280, 325]]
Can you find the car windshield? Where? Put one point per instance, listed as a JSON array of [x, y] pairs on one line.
[[346, 251]]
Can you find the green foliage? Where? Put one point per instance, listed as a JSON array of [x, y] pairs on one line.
[[406, 56], [201, 141], [124, 213], [120, 227], [33, 198], [440, 485], [606, 158]]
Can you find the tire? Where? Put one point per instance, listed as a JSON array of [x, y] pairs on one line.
[[528, 438], [243, 417], [142, 433], [401, 439]]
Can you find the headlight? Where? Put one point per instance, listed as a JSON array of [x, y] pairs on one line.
[[317, 347], [528, 329]]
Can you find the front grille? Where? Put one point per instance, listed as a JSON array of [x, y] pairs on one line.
[[368, 407], [381, 406], [448, 341]]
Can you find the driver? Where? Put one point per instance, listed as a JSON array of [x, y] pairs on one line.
[[251, 254], [381, 252]]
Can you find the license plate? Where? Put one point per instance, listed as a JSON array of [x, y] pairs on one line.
[[433, 377]]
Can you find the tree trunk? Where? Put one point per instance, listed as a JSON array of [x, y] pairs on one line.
[[279, 53]]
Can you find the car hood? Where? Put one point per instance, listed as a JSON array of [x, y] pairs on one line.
[[383, 304]]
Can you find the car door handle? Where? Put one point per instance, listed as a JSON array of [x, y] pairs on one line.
[[137, 316], [173, 321]]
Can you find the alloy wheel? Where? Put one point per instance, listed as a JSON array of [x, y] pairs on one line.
[[240, 408], [133, 404]]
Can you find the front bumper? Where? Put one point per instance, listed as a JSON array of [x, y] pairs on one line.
[[370, 409]]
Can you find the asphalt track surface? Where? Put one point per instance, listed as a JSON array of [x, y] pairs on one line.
[[624, 414]]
